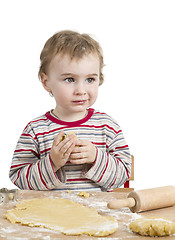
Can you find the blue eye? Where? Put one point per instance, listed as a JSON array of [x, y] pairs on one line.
[[69, 80], [90, 80]]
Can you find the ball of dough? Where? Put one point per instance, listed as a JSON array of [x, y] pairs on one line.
[[153, 227], [67, 134]]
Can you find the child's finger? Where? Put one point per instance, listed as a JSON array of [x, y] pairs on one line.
[[79, 149], [56, 140], [79, 161], [81, 142], [66, 144], [69, 150]]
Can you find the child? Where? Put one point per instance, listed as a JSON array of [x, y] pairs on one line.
[[99, 159]]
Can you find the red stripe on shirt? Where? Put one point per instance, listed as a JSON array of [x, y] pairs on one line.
[[34, 121], [51, 163], [27, 176], [26, 135], [102, 126], [51, 131], [19, 165], [45, 150], [99, 143], [121, 147], [41, 177], [117, 158], [17, 176], [116, 174], [35, 153], [28, 150], [77, 180], [105, 168], [101, 113], [88, 126]]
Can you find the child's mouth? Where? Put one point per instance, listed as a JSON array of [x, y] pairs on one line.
[[80, 102]]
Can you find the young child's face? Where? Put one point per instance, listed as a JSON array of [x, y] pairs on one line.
[[73, 83]]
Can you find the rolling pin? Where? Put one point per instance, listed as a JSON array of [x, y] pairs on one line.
[[147, 199]]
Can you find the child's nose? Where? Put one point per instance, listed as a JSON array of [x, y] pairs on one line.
[[80, 89]]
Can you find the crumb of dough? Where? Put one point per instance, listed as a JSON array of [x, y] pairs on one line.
[[153, 227], [62, 215], [84, 194]]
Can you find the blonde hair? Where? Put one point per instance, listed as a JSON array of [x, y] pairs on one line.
[[74, 44]]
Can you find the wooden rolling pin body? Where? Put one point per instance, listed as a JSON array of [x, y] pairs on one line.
[[147, 199]]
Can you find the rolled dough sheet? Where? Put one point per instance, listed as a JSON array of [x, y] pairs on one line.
[[62, 215]]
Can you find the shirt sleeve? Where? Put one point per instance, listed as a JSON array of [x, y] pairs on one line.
[[112, 167], [30, 171]]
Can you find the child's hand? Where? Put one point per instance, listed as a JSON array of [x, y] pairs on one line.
[[61, 151], [83, 152]]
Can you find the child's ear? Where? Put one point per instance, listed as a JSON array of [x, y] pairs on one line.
[[44, 80]]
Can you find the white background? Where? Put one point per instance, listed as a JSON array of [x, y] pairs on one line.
[[138, 40]]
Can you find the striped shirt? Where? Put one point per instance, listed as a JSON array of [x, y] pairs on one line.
[[32, 167]]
